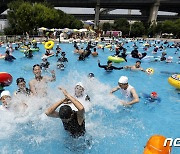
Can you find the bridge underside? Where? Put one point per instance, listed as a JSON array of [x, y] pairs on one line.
[[165, 5], [128, 17]]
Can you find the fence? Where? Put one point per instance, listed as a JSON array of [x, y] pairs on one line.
[[18, 38]]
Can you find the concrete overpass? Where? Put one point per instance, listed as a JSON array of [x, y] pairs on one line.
[[127, 16], [148, 8]]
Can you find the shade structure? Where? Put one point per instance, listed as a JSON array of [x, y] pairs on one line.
[[89, 22], [42, 28]]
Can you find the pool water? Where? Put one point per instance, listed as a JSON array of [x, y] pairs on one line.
[[111, 128]]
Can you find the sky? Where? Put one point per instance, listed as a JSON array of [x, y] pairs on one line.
[[117, 11]]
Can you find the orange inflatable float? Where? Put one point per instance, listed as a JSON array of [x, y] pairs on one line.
[[5, 79], [94, 54], [155, 145]]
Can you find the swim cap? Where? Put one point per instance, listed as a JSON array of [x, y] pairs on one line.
[[154, 94], [90, 75], [123, 79], [5, 93], [80, 84]]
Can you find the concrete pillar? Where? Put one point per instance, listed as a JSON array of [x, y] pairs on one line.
[[97, 12], [153, 12]]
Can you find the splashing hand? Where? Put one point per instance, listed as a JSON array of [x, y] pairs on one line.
[[63, 90]]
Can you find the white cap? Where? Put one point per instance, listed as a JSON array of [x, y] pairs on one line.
[[123, 79], [80, 84], [5, 93]]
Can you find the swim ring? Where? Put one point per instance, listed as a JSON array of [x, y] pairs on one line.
[[49, 45], [116, 59], [155, 145], [94, 54], [174, 80], [5, 79], [108, 46], [44, 56], [150, 70], [146, 45], [2, 56], [33, 49], [100, 46]]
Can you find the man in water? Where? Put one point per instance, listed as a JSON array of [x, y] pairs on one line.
[[137, 66], [38, 85], [109, 66], [127, 91], [73, 121]]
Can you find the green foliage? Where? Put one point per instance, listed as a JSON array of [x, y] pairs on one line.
[[137, 29], [167, 26], [27, 17], [122, 25], [177, 28], [106, 26]]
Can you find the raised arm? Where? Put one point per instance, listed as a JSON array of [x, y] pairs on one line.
[[53, 77], [101, 66], [51, 111], [32, 87], [117, 68]]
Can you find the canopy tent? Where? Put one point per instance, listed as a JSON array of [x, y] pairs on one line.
[[42, 28], [89, 22]]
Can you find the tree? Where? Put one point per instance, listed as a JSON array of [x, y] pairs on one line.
[[122, 25], [137, 29], [106, 26], [177, 28], [152, 30], [26, 16], [168, 26]]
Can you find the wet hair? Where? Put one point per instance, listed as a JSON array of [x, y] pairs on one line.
[[90, 75], [138, 61], [94, 49], [18, 80], [63, 53], [65, 112], [108, 62], [7, 52], [36, 65]]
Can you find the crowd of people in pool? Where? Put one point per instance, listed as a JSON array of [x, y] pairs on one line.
[[72, 111]]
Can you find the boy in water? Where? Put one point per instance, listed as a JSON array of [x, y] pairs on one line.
[[73, 121]]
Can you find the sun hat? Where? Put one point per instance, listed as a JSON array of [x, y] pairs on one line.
[[5, 93], [123, 79]]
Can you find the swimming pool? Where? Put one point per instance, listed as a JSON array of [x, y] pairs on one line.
[[110, 127]]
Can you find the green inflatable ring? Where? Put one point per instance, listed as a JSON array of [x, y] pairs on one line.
[[116, 59], [33, 49]]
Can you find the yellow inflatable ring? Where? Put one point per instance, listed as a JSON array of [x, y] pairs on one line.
[[146, 45], [174, 80], [49, 45], [150, 70], [155, 145], [116, 59], [108, 46]]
